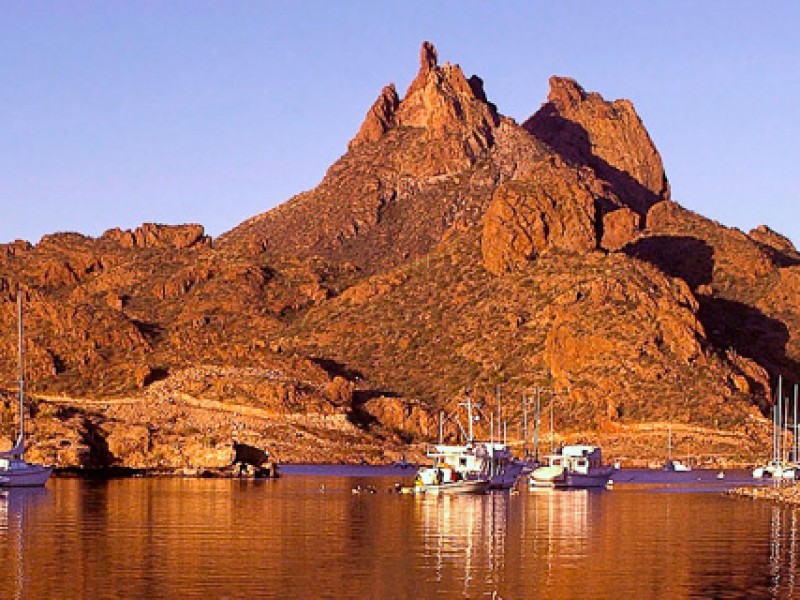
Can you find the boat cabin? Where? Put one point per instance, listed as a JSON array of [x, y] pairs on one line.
[[577, 459]]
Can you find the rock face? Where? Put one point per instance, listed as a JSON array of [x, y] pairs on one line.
[[607, 136], [448, 248], [153, 235], [551, 209]]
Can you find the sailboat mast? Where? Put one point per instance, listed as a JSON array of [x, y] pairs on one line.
[[21, 365], [780, 420], [795, 457], [524, 423], [536, 422], [669, 444], [469, 416]]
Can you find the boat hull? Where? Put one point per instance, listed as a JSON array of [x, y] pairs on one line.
[[506, 479], [567, 480], [455, 487], [29, 476]]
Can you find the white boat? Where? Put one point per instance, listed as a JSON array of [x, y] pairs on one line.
[[775, 469], [444, 479], [673, 465], [14, 470], [472, 467], [781, 466], [576, 466], [489, 462], [677, 466]]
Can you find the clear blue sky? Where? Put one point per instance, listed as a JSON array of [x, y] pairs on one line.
[[117, 113]]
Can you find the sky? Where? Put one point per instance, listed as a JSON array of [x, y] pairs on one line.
[[117, 113]]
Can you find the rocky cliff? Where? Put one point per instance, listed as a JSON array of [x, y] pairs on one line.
[[448, 248]]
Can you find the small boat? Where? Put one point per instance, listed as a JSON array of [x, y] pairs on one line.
[[677, 466], [14, 470], [671, 464], [403, 464], [472, 467], [443, 479], [576, 466], [775, 469]]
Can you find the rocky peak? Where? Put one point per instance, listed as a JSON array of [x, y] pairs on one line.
[[441, 101], [155, 235], [607, 136], [768, 237], [379, 119]]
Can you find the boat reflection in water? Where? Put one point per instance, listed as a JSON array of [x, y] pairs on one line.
[[464, 539], [15, 507], [784, 552]]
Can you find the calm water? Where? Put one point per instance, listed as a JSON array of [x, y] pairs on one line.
[[173, 538]]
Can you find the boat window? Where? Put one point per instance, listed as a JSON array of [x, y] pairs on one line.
[[463, 461]]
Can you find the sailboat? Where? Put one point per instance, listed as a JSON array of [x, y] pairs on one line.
[[14, 470], [780, 467], [674, 464]]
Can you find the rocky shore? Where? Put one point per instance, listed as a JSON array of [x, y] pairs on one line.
[[785, 493]]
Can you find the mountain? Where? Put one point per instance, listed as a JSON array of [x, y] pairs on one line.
[[450, 248]]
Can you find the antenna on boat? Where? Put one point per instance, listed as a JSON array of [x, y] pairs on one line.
[[441, 427]]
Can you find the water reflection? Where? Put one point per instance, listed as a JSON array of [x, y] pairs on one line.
[[16, 509], [784, 549], [464, 537], [294, 539]]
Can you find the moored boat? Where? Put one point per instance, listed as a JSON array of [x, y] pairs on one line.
[[575, 466], [14, 470], [472, 467], [488, 462], [677, 466], [443, 479]]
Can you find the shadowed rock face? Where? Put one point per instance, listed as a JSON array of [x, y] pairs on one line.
[[449, 247], [609, 137]]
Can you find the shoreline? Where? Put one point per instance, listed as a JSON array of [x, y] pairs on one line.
[[784, 493]]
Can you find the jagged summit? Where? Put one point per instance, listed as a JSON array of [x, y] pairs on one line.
[[439, 100], [607, 136], [400, 187]]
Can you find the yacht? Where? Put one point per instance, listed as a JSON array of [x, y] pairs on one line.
[[575, 466], [14, 470]]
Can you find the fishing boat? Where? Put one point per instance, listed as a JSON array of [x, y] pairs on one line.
[[575, 466], [472, 467], [443, 478], [15, 471]]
